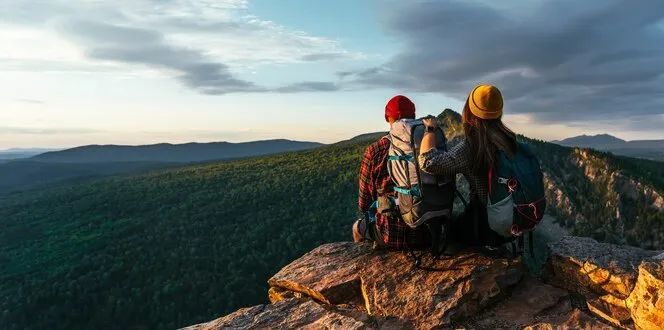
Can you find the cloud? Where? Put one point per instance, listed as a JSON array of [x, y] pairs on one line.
[[309, 86], [45, 130], [558, 60], [30, 101], [325, 57], [148, 47], [205, 44]]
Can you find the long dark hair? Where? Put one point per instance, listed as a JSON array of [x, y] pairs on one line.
[[485, 137]]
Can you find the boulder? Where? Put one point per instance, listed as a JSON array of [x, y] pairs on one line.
[[328, 274], [584, 265], [646, 302], [388, 284], [287, 314], [621, 284], [345, 285], [293, 313]]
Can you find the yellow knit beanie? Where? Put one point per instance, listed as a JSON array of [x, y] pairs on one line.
[[486, 102]]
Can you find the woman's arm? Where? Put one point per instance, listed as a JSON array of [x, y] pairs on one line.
[[429, 138], [446, 163]]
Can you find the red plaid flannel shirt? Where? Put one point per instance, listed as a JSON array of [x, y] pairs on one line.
[[374, 176]]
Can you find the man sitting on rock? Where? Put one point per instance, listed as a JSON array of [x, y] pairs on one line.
[[385, 231]]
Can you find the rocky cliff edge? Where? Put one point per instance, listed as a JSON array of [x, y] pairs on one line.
[[344, 285]]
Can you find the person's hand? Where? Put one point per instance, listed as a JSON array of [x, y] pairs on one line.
[[430, 121]]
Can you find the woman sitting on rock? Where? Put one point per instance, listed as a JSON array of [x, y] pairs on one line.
[[475, 157]]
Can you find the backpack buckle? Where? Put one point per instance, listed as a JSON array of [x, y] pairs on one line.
[[515, 230], [512, 184]]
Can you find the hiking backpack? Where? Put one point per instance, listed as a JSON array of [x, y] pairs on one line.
[[422, 198], [516, 195]]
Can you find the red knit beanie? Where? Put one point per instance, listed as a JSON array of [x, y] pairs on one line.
[[399, 107]]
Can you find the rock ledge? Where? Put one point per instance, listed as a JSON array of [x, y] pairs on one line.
[[351, 286]]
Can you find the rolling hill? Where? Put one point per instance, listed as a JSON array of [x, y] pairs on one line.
[[599, 141], [179, 246], [172, 153], [24, 174], [649, 149], [96, 161], [19, 153]]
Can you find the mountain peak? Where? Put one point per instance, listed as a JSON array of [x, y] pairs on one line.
[[653, 149], [450, 122], [449, 114], [598, 139]]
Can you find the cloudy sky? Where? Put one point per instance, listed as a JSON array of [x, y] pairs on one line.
[[146, 71]]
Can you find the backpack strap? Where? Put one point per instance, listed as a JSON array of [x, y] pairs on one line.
[[530, 244], [435, 228], [490, 175], [408, 157], [414, 191], [371, 213], [461, 198], [438, 232], [515, 253]]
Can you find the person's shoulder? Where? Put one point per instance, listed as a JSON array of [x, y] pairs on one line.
[[381, 145], [459, 144], [383, 142], [461, 149]]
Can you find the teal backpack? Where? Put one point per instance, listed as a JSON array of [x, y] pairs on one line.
[[516, 195]]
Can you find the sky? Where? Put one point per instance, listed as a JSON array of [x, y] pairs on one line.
[[77, 72]]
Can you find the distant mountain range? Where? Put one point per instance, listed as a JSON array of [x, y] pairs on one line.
[[18, 153], [21, 172], [174, 153], [650, 149]]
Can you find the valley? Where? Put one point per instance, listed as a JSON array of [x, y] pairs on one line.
[[132, 250]]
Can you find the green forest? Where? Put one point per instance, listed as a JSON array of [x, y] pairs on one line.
[[170, 248], [180, 246], [604, 208]]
